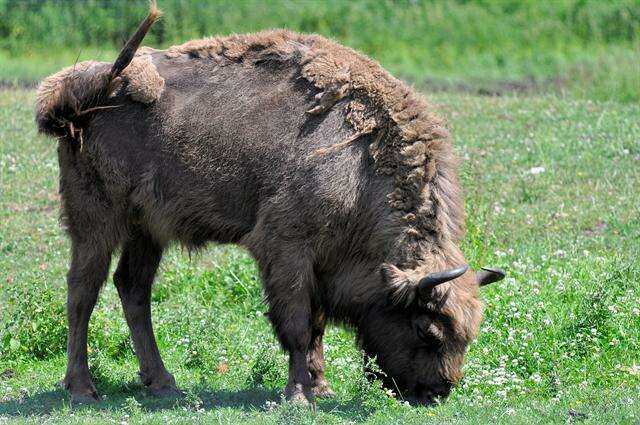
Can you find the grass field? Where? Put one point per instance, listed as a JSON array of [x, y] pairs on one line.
[[551, 190], [586, 48], [552, 187]]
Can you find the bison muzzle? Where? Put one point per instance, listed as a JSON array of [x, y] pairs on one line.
[[335, 176]]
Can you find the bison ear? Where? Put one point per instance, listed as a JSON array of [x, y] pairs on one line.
[[401, 286], [489, 275]]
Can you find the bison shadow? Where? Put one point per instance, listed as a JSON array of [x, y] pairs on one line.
[[44, 403], [119, 397]]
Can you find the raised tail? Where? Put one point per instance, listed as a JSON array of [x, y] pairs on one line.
[[129, 50], [67, 99]]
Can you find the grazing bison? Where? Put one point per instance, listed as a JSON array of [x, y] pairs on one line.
[[337, 178]]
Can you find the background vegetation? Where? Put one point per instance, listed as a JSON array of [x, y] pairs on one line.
[[589, 48], [550, 175]]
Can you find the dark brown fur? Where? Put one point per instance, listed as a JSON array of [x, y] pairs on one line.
[[336, 177]]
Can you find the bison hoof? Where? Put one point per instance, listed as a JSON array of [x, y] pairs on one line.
[[322, 390], [160, 384], [164, 388], [165, 391], [85, 397], [297, 394], [81, 392]]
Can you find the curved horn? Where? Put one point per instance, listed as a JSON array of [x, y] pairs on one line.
[[489, 275], [432, 280]]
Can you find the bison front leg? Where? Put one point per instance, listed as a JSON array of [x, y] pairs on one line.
[[88, 271], [290, 314], [315, 359], [133, 279]]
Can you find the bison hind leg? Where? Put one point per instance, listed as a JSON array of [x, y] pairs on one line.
[[88, 271], [133, 278]]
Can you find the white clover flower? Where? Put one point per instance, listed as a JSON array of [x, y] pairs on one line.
[[560, 253], [270, 405], [536, 170]]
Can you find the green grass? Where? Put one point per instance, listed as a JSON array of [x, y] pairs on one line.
[[561, 335], [585, 48], [29, 68]]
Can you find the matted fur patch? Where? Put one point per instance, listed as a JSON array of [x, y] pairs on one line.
[[56, 90], [145, 85]]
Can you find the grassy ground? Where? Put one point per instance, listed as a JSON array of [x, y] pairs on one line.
[[587, 48], [552, 196]]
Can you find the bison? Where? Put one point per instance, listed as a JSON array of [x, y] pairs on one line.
[[336, 177]]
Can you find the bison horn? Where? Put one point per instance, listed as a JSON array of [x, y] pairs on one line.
[[432, 280], [489, 275]]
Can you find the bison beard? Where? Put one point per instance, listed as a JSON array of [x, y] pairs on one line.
[[336, 177]]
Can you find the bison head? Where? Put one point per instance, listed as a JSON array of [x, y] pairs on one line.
[[419, 341]]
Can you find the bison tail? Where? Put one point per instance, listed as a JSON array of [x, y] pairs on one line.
[[129, 49], [66, 99]]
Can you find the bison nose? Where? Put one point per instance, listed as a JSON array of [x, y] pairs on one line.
[[443, 390], [429, 395]]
